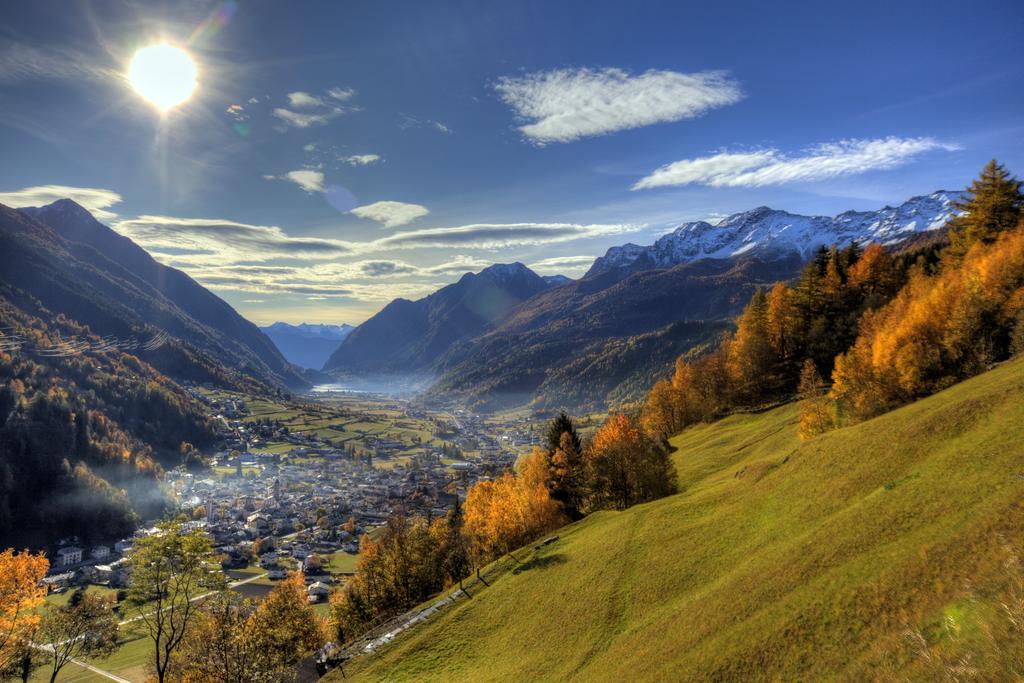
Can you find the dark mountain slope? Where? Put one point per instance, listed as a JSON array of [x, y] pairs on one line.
[[408, 337], [77, 280], [237, 336], [579, 344], [83, 435]]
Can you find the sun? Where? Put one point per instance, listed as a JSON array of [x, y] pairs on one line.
[[163, 74]]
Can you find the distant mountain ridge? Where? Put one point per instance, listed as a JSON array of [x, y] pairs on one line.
[[406, 338], [589, 343], [773, 233], [73, 264], [307, 345]]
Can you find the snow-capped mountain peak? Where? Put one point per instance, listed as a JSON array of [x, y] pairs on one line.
[[775, 233]]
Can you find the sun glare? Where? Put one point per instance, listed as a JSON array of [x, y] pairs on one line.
[[163, 74]]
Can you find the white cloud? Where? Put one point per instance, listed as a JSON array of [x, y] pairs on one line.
[[309, 147], [310, 181], [559, 265], [317, 109], [361, 159], [342, 94], [771, 167], [95, 199], [391, 214], [569, 104], [416, 122], [499, 235], [300, 120], [211, 241], [303, 100]]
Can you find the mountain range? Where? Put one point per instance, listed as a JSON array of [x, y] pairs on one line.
[[406, 338], [588, 343], [74, 265], [771, 233], [307, 345]]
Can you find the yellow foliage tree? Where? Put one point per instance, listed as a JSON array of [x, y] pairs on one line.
[[509, 511], [628, 467], [664, 412], [938, 330], [21, 591], [816, 410]]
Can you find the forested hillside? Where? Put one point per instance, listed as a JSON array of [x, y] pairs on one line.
[[83, 435], [113, 286]]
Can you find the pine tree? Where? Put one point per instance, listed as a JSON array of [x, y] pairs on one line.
[[995, 205], [561, 425]]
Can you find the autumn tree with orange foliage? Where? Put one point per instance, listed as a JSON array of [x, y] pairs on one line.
[[816, 410], [511, 510], [237, 640], [411, 560], [813, 319], [21, 591], [664, 411], [939, 330], [284, 629], [628, 467]]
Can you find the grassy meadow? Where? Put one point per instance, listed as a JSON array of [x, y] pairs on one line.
[[778, 559]]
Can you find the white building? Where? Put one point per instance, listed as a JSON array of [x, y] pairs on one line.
[[68, 556]]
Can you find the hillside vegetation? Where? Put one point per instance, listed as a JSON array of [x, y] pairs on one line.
[[778, 558]]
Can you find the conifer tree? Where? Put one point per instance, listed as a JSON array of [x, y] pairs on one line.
[[994, 205], [561, 425]]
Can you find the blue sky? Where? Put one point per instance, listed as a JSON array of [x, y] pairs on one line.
[[335, 155]]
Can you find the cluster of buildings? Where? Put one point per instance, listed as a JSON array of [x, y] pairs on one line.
[[280, 511]]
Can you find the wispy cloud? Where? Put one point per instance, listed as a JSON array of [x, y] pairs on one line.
[[322, 281], [560, 265], [498, 235], [208, 241], [361, 159], [772, 167], [20, 62], [391, 214], [95, 199], [341, 94], [304, 120], [569, 104], [409, 121], [308, 110]]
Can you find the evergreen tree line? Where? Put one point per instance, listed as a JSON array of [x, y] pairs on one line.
[[886, 328]]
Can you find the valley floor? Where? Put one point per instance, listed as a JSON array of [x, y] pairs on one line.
[[779, 559]]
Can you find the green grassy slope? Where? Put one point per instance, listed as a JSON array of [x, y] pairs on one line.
[[778, 559]]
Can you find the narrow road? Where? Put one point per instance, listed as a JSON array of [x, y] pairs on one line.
[[101, 672], [86, 665], [231, 585]]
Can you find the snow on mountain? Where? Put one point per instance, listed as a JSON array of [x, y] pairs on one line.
[[773, 233]]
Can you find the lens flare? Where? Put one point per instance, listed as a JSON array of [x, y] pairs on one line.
[[163, 75]]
